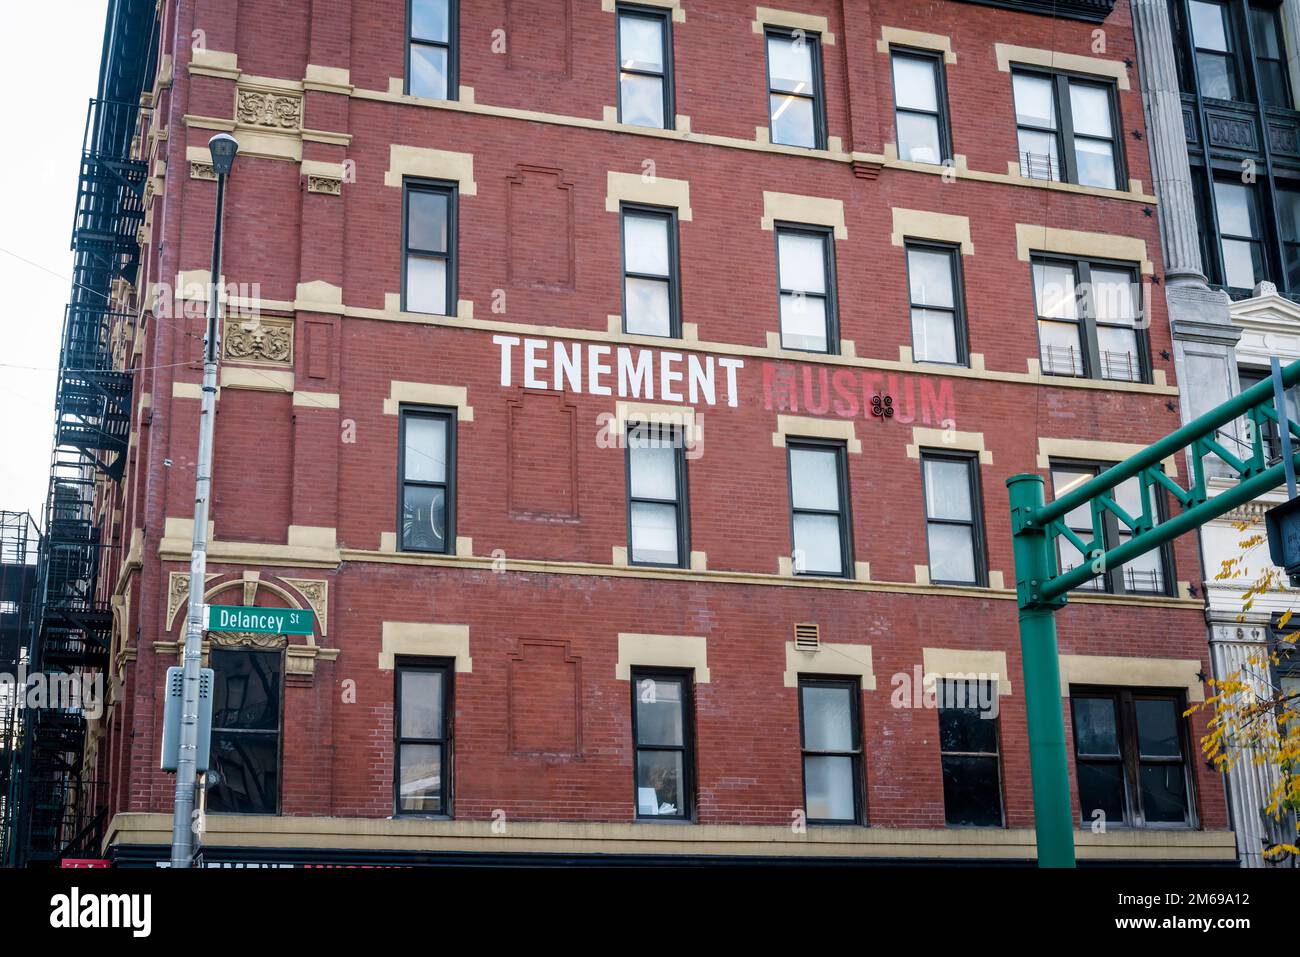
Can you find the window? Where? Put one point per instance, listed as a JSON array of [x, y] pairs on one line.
[[656, 483], [1216, 61], [1270, 56], [428, 480], [1239, 234], [920, 107], [431, 50], [1272, 439], [1147, 574], [429, 235], [245, 731], [1288, 211], [831, 742], [663, 737], [423, 731], [805, 266], [650, 288], [794, 85], [1089, 320], [934, 284], [1130, 757], [645, 67], [819, 509], [1066, 129], [953, 520], [968, 746]]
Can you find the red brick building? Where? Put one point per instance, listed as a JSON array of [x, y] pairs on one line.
[[470, 248]]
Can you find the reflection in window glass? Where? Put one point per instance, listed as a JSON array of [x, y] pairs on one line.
[[794, 98], [830, 736], [818, 509], [643, 68]]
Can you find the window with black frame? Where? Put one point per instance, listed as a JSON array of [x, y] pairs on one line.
[[794, 84], [937, 303], [1131, 757], [1217, 66], [1238, 51], [645, 66], [1269, 51], [1288, 214], [658, 523], [831, 745], [1090, 319], [428, 241], [805, 266], [427, 470], [431, 49], [953, 519], [651, 300], [1149, 573], [246, 710], [663, 736], [819, 509], [969, 753], [1240, 233], [423, 748], [1066, 128], [920, 106]]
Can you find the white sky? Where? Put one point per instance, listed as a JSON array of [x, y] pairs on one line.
[[49, 63]]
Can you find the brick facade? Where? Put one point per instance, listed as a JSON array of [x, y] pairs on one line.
[[542, 721]]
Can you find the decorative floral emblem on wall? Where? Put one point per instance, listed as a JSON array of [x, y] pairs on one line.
[[277, 111], [260, 341]]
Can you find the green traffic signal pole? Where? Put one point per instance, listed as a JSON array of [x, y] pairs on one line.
[[1041, 588]]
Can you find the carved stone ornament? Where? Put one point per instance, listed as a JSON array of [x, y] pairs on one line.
[[178, 593], [325, 184], [270, 110], [316, 592], [202, 171], [247, 639], [261, 340]]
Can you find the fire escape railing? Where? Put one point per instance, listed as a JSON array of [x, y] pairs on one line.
[[55, 805]]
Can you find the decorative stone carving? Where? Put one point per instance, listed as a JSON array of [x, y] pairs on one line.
[[1284, 137], [1232, 132], [201, 171], [317, 594], [259, 340], [328, 185], [247, 639], [269, 109], [178, 593]]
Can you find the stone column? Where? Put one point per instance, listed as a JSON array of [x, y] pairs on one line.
[[1203, 333]]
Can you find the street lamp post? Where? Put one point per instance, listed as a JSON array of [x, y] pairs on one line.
[[223, 147]]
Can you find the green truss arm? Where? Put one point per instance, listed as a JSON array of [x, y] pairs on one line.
[[1041, 586], [1255, 477]]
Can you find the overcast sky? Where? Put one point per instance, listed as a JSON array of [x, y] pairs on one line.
[[49, 63]]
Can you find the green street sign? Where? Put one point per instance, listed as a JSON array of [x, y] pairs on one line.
[[267, 621]]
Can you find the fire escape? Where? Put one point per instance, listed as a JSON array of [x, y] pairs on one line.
[[71, 624], [17, 587]]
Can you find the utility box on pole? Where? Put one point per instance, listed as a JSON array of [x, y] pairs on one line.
[[171, 736]]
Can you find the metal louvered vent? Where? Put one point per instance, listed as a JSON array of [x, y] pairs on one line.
[[807, 636]]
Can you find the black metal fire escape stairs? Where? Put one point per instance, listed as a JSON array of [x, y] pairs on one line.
[[72, 622]]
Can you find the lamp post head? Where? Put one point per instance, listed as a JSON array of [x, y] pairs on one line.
[[223, 147]]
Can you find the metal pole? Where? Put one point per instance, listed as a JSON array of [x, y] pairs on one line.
[[1049, 770], [182, 823]]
